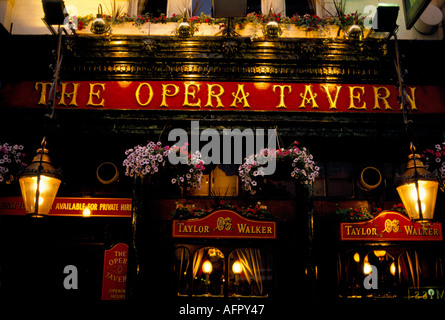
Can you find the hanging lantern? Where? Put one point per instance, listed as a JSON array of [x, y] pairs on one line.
[[39, 183], [417, 188]]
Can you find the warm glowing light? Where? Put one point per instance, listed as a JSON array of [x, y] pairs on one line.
[[392, 269], [422, 194], [367, 269], [416, 184], [427, 196], [39, 181], [207, 267], [237, 268], [47, 190], [379, 253], [356, 257], [86, 212]]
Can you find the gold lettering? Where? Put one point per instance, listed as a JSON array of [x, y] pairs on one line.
[[150, 94], [166, 92], [125, 207], [108, 207], [332, 103], [92, 206], [310, 99], [237, 99], [241, 228], [192, 94], [356, 95], [72, 95], [96, 94], [281, 87], [212, 94], [43, 91], [378, 97]]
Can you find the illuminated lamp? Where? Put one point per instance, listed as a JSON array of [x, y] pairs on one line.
[[86, 212], [356, 257], [393, 269], [39, 184], [367, 268], [237, 267], [207, 267], [380, 254], [417, 188]]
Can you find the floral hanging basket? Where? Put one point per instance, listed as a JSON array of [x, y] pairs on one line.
[[302, 166], [151, 158]]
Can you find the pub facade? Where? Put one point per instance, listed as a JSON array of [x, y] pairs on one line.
[[214, 229]]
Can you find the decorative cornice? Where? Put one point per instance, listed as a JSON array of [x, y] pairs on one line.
[[141, 58]]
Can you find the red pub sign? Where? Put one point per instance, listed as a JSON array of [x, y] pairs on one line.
[[223, 96], [73, 207], [224, 224], [114, 280], [390, 226]]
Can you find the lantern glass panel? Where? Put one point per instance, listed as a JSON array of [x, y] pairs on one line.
[[427, 193], [48, 187]]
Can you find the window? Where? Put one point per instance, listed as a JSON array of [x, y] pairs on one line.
[[357, 265], [250, 273], [182, 263], [335, 179], [253, 6], [222, 182], [225, 181], [401, 273], [339, 179], [154, 7], [208, 272], [299, 7]]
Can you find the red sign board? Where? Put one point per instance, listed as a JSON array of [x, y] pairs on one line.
[[114, 281], [223, 96], [73, 207], [390, 226], [224, 224]]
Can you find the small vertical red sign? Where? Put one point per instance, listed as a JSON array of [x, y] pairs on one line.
[[114, 280]]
